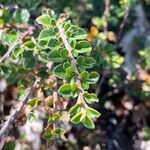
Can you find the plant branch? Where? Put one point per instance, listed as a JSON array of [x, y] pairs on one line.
[[5, 129], [55, 95], [106, 14], [19, 42], [121, 28], [99, 85], [71, 58], [54, 87], [10, 49]]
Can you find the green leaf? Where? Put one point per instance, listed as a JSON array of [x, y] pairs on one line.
[[66, 65], [43, 57], [2, 21], [50, 120], [92, 112], [71, 80], [29, 45], [93, 78], [21, 92], [21, 16], [10, 38], [47, 135], [80, 34], [43, 44], [90, 98], [3, 48], [80, 60], [68, 90], [58, 55], [84, 75], [43, 73], [88, 62], [85, 62], [74, 93], [59, 71], [46, 35], [88, 122], [72, 42], [55, 56], [54, 44], [32, 118], [83, 46], [65, 90], [73, 109], [46, 20], [85, 85], [33, 103], [67, 25], [53, 22], [75, 53], [69, 33], [63, 53], [9, 145], [59, 131], [29, 63], [74, 86], [56, 117], [76, 118], [17, 52], [87, 79], [69, 71]]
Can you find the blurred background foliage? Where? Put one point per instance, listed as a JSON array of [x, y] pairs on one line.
[[119, 31]]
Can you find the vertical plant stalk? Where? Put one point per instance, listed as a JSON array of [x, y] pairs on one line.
[[72, 60], [121, 28], [17, 43], [54, 90], [106, 14], [5, 129], [55, 95], [55, 106], [99, 85]]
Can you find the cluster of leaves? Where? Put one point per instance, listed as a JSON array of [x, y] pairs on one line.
[[145, 58], [19, 16], [64, 68], [9, 36], [111, 61], [30, 57], [144, 66], [107, 59]]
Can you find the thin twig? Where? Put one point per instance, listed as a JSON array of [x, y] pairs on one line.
[[54, 88], [19, 42], [55, 95], [55, 107], [55, 99], [5, 129], [121, 28], [100, 83], [106, 14], [10, 49]]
